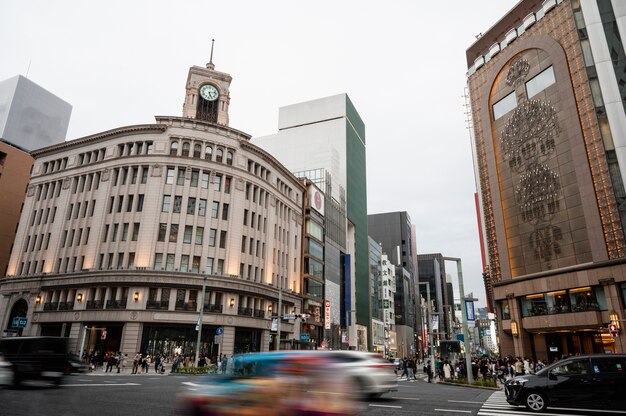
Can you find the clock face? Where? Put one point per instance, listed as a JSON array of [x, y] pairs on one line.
[[209, 92]]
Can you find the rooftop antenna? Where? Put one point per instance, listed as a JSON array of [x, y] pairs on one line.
[[28, 69], [210, 65]]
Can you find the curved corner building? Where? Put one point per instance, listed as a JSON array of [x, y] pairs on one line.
[[121, 230], [547, 85]]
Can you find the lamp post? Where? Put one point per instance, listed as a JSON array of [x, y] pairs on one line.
[[428, 328], [280, 312], [468, 359], [200, 318]]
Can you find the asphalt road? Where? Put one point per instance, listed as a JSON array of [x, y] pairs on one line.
[[155, 395]]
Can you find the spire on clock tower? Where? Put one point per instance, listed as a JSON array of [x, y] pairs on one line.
[[206, 93]]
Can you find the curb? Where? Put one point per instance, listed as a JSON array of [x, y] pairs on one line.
[[470, 386]]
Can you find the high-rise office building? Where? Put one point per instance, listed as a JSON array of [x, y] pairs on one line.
[[327, 135], [30, 116], [547, 87]]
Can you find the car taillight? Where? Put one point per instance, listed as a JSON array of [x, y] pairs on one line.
[[380, 365]]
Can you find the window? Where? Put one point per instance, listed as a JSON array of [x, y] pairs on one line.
[[540, 82], [186, 148], [174, 149], [191, 206], [315, 249], [202, 208], [178, 202], [217, 183], [139, 203], [205, 180], [129, 203], [220, 267], [115, 228], [135, 231], [173, 233], [169, 178], [184, 263], [505, 105], [212, 235], [188, 233], [169, 264], [209, 265], [195, 174], [144, 174], [124, 232], [166, 203], [197, 149], [162, 232], [199, 235], [195, 268], [180, 178], [214, 209], [219, 155], [208, 153], [225, 211], [223, 239], [245, 217], [134, 174], [229, 158], [158, 261], [227, 181], [243, 243]]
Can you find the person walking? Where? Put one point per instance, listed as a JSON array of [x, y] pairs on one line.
[[428, 371], [224, 364], [136, 362], [118, 361], [447, 370]]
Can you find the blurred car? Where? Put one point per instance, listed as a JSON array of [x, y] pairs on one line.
[[75, 365], [397, 363], [370, 374], [6, 372], [592, 382], [281, 382], [36, 358]]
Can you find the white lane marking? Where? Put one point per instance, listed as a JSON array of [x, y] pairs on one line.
[[406, 398], [453, 410], [384, 405], [464, 401], [100, 385], [588, 410]]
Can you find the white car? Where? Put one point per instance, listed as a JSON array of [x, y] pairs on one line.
[[6, 372], [371, 375]]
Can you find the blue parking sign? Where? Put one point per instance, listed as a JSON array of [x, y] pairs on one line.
[[19, 322]]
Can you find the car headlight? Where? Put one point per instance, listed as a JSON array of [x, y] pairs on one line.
[[518, 381]]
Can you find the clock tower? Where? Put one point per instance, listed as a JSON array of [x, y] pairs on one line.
[[206, 94]]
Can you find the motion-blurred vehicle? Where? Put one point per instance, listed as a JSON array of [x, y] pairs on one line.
[[6, 372], [591, 381], [370, 375], [280, 383], [36, 358]]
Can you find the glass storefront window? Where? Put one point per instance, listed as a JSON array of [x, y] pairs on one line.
[[598, 291], [533, 305], [557, 301], [506, 312], [582, 299]]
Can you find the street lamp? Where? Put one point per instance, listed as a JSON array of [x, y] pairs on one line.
[[200, 318], [468, 358]]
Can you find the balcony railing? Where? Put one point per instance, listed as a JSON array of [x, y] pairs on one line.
[[258, 313], [66, 306], [116, 304], [95, 304], [186, 306], [244, 311], [158, 304], [213, 308], [51, 306], [538, 310]]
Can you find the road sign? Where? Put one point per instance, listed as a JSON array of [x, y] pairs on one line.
[[460, 337], [19, 322], [218, 339], [219, 330], [290, 316]]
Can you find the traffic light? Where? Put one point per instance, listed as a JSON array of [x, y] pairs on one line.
[[613, 330]]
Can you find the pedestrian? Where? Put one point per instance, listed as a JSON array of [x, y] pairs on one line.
[[110, 363], [405, 367], [428, 371], [145, 363], [136, 362], [519, 367], [447, 370], [224, 364], [118, 361], [409, 368]]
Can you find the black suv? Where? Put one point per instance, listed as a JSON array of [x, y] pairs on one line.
[[36, 358], [585, 381]]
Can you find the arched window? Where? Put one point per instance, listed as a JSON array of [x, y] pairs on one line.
[[186, 147], [197, 149], [229, 158], [219, 155], [174, 149], [208, 153]]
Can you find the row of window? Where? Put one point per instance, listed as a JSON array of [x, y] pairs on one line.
[[177, 176], [110, 233], [119, 261], [251, 245], [85, 182], [130, 203], [54, 165], [130, 174], [283, 188], [37, 242], [81, 209], [91, 156], [258, 170], [48, 190], [188, 235], [185, 151], [167, 261], [75, 237], [42, 216], [134, 148]]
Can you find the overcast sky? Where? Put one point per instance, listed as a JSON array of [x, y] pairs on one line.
[[401, 62]]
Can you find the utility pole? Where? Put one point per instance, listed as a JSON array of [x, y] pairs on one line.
[[280, 312], [199, 325]]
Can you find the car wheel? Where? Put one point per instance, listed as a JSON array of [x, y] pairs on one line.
[[360, 389], [535, 401]]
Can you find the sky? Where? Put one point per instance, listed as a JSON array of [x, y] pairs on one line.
[[402, 63]]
